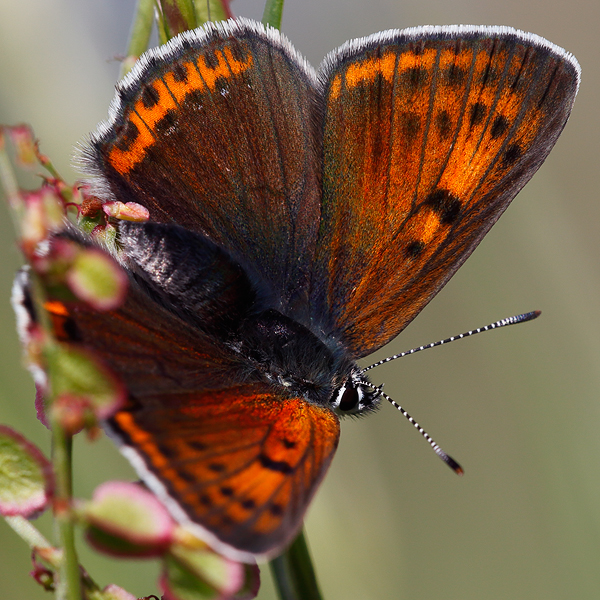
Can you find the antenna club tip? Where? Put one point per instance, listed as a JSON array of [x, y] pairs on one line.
[[529, 316], [454, 465]]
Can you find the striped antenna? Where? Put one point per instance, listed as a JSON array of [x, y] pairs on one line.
[[447, 459], [502, 323]]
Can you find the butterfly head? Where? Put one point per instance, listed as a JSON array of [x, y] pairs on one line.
[[355, 396]]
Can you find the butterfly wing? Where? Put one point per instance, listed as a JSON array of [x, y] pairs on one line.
[[242, 463], [215, 132], [147, 345], [428, 135], [235, 458]]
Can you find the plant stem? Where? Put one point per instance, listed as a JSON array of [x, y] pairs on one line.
[[69, 587], [140, 34], [272, 14], [294, 574], [10, 185], [26, 531]]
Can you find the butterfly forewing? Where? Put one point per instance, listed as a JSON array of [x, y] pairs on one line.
[[215, 133], [428, 135]]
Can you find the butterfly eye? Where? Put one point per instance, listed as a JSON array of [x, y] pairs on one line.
[[346, 399]]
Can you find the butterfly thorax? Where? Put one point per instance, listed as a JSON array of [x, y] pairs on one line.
[[297, 362]]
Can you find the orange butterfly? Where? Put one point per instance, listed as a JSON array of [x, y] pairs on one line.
[[298, 222]]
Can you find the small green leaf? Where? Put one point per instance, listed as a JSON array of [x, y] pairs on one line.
[[41, 214], [180, 583], [127, 520], [200, 574], [178, 15], [97, 279], [26, 481], [273, 13], [24, 142], [77, 374], [114, 592], [212, 10], [140, 34]]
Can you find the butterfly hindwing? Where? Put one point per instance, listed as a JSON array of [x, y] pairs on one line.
[[146, 345], [232, 456], [242, 463], [428, 135]]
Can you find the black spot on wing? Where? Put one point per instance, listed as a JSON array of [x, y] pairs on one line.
[[499, 126], [445, 204], [150, 97], [179, 73], [196, 445], [411, 124], [413, 77], [217, 467], [126, 135], [276, 510], [226, 490], [444, 124], [188, 476], [455, 75], [512, 154], [477, 113], [275, 465], [414, 248]]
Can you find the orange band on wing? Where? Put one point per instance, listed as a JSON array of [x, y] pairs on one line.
[[167, 93], [55, 307]]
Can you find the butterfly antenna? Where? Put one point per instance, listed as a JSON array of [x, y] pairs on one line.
[[502, 323], [447, 459]]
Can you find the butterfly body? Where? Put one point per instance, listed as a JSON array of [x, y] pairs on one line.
[[289, 355], [195, 279], [298, 222]]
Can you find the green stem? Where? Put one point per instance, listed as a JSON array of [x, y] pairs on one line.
[[294, 574], [139, 37], [272, 14], [10, 185], [34, 539], [212, 10], [69, 587]]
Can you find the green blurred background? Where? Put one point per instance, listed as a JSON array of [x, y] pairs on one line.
[[519, 408]]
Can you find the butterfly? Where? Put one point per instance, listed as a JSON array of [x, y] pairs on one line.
[[299, 220]]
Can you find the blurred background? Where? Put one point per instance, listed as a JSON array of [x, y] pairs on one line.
[[519, 408]]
